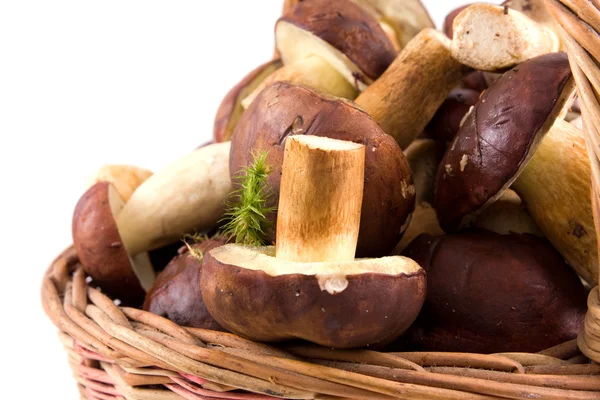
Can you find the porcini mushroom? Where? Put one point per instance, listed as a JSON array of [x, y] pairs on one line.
[[112, 239], [309, 286], [447, 119], [230, 110], [100, 247], [283, 110], [333, 46], [491, 38], [494, 293], [125, 178], [495, 146]]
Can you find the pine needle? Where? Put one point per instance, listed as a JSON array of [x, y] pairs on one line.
[[196, 238], [246, 215]]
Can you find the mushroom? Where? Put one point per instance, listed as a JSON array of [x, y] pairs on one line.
[[125, 178], [492, 293], [309, 286], [423, 156], [230, 110], [112, 239], [283, 110], [100, 248], [404, 19], [513, 36], [495, 146], [176, 294], [449, 20], [334, 46]]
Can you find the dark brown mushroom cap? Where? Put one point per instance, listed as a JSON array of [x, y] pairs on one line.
[[99, 246], [492, 293], [348, 28], [176, 294], [231, 109], [499, 137], [374, 307], [446, 122], [283, 109]]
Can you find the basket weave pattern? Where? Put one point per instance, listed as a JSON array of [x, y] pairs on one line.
[[125, 353]]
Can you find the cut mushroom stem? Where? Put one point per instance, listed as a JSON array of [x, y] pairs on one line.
[[556, 187], [184, 197], [491, 38], [313, 71], [405, 98], [320, 199]]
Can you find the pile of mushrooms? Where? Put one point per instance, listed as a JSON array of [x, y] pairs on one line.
[[424, 186]]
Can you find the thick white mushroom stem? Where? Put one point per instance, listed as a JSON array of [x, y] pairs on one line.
[[556, 188], [184, 197], [320, 199], [490, 38], [405, 98], [312, 71]]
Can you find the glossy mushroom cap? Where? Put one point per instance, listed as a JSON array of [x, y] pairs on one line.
[[336, 304], [492, 293], [499, 136], [283, 109]]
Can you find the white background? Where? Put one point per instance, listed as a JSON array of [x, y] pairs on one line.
[[83, 83]]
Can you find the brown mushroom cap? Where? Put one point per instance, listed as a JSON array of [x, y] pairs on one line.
[[348, 304], [341, 32], [176, 294], [446, 122], [499, 137], [494, 293], [283, 109], [99, 245], [231, 109]]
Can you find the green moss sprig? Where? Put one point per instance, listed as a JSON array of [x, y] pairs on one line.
[[246, 215]]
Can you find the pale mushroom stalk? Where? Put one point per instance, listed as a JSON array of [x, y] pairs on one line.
[[187, 196], [320, 199], [405, 98], [564, 210]]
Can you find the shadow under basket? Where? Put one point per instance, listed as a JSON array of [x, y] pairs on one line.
[[126, 353]]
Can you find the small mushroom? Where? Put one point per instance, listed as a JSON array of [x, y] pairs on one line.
[[283, 110], [230, 110], [101, 250], [310, 286], [492, 293], [491, 38], [125, 178], [333, 46], [112, 239], [176, 294], [517, 120]]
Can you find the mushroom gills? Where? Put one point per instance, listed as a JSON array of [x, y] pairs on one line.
[[140, 263], [263, 259]]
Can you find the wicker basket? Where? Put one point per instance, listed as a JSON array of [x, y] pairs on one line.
[[124, 353]]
